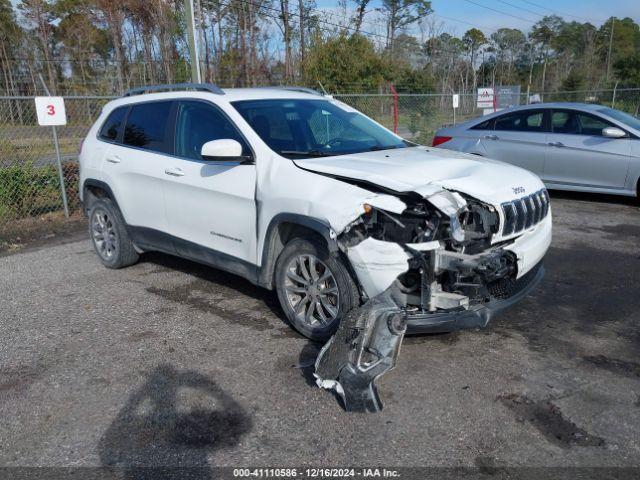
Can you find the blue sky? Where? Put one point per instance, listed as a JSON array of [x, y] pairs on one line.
[[454, 13]]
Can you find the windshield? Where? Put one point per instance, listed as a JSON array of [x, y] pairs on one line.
[[623, 117], [315, 128]]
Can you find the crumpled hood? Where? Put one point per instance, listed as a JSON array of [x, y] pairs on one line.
[[421, 169]]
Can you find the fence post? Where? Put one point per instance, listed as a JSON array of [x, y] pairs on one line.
[[63, 188]]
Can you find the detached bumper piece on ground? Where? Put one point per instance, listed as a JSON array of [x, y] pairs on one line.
[[365, 347], [367, 342]]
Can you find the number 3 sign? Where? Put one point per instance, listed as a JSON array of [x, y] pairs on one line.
[[51, 111]]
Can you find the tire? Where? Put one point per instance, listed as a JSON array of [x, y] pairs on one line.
[[115, 249], [332, 287]]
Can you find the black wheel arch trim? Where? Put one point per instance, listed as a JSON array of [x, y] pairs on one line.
[[92, 182], [270, 255]]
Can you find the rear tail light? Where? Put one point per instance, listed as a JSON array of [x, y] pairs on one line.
[[437, 140]]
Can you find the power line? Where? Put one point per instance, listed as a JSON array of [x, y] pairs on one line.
[[560, 12], [340, 26], [465, 22], [499, 11], [521, 8]]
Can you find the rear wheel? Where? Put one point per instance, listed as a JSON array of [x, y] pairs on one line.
[[314, 287], [109, 235]]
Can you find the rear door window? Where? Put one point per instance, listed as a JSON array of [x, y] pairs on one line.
[[110, 130], [564, 121], [523, 121], [148, 126]]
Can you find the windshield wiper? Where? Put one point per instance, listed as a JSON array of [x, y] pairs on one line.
[[376, 148], [309, 153]]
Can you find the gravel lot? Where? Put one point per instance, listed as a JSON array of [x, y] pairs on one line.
[[171, 363]]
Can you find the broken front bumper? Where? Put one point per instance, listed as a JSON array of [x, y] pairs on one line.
[[478, 315]]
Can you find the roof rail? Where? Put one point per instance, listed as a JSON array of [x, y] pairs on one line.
[[297, 89], [207, 87]]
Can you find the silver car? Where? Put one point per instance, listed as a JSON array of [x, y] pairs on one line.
[[570, 146]]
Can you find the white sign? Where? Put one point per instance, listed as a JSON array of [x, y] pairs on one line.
[[487, 111], [456, 100], [51, 111], [485, 97]]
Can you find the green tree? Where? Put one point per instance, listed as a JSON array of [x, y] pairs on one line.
[[82, 42], [473, 40], [507, 44], [402, 13], [624, 43], [361, 10], [628, 69], [543, 34], [345, 61], [11, 34], [573, 82], [39, 18]]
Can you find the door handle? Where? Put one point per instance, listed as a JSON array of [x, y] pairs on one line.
[[114, 159], [174, 172], [491, 137], [556, 144]]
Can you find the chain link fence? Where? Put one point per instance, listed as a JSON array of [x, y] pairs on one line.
[[29, 182], [416, 117]]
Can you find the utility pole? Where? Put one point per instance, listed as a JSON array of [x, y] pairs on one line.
[[613, 22], [302, 40], [193, 46]]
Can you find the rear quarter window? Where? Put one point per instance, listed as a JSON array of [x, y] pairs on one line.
[[112, 125], [522, 121], [486, 125]]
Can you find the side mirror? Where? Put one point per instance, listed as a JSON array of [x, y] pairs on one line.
[[613, 132], [224, 150]]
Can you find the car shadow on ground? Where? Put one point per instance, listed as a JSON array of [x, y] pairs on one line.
[[218, 277], [170, 425]]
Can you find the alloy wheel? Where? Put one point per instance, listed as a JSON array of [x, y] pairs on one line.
[[104, 234], [312, 290]]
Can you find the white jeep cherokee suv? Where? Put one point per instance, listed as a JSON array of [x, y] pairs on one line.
[[301, 193]]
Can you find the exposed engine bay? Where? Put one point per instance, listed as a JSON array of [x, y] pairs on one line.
[[437, 258], [448, 242], [436, 255]]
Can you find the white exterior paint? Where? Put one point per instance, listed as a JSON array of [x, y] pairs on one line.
[[238, 202]]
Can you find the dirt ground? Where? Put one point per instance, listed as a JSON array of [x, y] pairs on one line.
[[169, 363]]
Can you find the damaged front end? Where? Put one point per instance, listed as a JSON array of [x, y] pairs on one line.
[[365, 347], [439, 248], [432, 261]]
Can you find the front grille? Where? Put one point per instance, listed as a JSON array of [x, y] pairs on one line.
[[525, 212]]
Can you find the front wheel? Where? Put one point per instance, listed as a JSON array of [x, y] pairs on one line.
[[314, 287]]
